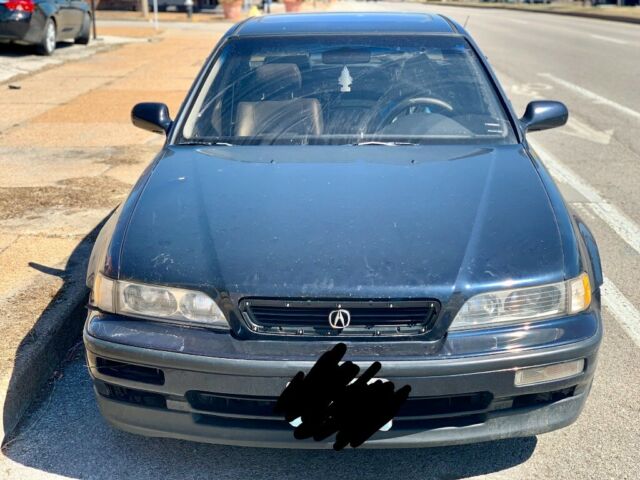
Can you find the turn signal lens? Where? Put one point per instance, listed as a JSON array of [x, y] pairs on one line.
[[580, 293], [549, 373], [102, 293]]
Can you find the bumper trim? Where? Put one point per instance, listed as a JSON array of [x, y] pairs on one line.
[[436, 365], [523, 423]]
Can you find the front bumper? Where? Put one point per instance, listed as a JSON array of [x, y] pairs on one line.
[[474, 395]]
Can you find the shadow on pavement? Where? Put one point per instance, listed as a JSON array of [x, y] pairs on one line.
[[52, 334], [17, 51], [67, 436]]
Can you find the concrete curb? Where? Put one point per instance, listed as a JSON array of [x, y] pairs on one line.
[[597, 16], [45, 346]]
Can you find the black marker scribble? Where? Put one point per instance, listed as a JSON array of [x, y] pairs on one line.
[[327, 402]]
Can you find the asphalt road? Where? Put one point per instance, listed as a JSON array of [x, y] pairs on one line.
[[594, 67]]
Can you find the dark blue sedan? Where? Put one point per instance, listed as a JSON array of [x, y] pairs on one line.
[[345, 178], [43, 22]]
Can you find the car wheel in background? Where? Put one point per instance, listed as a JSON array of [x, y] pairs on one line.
[[48, 43], [85, 32]]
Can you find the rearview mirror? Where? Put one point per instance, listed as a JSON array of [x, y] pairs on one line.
[[544, 114], [342, 56], [151, 116]]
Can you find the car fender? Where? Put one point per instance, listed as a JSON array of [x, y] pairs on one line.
[[591, 249], [579, 246], [105, 255], [45, 10], [101, 245], [42, 12]]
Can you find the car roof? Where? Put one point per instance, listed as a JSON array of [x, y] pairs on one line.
[[348, 23]]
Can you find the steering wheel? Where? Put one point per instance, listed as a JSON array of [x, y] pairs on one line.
[[379, 123]]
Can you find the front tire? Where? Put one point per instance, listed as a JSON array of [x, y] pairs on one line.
[[84, 36], [49, 37]]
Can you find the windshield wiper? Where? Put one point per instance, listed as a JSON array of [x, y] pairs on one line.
[[207, 143], [386, 144]]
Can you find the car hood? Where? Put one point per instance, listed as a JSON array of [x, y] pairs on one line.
[[343, 222]]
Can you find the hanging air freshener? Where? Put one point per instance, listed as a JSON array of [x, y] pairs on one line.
[[345, 80]]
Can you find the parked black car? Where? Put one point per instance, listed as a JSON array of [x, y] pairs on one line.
[[355, 178], [44, 22]]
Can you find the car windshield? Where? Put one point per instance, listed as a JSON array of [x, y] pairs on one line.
[[346, 90]]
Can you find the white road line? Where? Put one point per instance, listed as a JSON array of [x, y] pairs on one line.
[[622, 309], [615, 301], [591, 95], [617, 220], [608, 39]]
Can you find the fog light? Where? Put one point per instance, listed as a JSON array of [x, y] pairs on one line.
[[549, 373]]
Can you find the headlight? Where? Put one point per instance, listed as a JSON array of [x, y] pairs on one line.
[[153, 301], [524, 304]]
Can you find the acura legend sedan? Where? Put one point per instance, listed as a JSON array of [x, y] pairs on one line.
[[356, 179]]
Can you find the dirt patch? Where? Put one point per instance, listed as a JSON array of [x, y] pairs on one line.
[[101, 106], [47, 289], [130, 155], [85, 192]]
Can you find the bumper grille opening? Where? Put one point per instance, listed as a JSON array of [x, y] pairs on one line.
[[127, 371], [416, 407], [544, 398], [129, 395], [452, 405], [369, 318], [254, 424], [232, 404]]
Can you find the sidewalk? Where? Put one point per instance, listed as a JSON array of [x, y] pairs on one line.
[[18, 61], [68, 155]]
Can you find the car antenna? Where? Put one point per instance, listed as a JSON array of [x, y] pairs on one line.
[[466, 21]]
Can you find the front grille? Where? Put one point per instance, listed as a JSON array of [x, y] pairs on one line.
[[368, 318]]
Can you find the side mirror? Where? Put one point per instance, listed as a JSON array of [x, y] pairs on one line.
[[151, 116], [544, 114]]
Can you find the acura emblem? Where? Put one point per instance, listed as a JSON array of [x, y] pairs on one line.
[[340, 318]]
